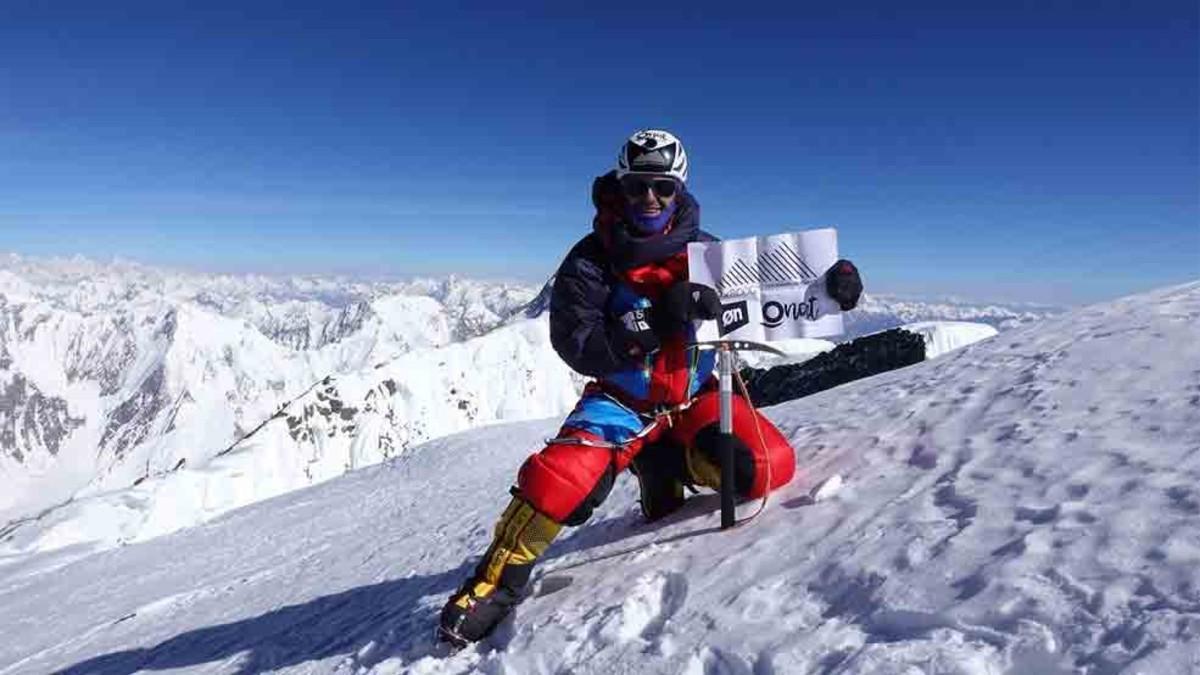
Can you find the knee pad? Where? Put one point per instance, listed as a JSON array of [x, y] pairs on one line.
[[594, 498], [567, 482], [761, 453]]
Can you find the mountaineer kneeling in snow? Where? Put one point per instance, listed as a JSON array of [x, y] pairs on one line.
[[622, 311]]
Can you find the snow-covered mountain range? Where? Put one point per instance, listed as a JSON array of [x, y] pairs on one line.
[[114, 373], [136, 400], [1026, 505], [881, 312]]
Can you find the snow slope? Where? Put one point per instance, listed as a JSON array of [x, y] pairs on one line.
[[1029, 504]]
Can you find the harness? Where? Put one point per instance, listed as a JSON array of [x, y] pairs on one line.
[[655, 417], [663, 412]]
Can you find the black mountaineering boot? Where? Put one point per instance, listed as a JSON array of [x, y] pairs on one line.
[[470, 617], [474, 611], [660, 471]]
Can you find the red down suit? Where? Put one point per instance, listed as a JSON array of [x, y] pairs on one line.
[[605, 275]]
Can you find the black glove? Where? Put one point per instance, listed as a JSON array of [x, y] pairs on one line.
[[684, 302], [843, 284], [634, 333]]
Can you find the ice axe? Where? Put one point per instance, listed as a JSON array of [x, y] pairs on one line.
[[725, 350]]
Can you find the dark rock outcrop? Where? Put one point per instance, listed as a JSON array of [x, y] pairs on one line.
[[854, 360], [31, 421]]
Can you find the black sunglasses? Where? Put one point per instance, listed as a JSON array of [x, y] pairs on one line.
[[636, 186]]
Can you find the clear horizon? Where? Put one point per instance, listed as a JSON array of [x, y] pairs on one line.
[[1045, 154], [401, 277]]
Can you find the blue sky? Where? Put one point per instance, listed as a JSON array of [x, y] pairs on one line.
[[1042, 151]]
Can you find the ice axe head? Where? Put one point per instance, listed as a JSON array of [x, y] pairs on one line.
[[737, 346]]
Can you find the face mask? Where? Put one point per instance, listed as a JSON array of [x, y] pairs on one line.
[[646, 225]]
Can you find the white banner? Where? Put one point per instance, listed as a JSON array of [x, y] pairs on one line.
[[771, 288]]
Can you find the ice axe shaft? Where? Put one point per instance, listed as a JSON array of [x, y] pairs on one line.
[[725, 351], [725, 438]]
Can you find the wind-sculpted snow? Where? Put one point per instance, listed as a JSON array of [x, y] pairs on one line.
[[1027, 505], [943, 337]]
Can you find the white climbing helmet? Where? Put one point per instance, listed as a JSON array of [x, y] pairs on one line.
[[653, 152]]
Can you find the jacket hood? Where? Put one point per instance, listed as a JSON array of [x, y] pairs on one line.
[[626, 248]]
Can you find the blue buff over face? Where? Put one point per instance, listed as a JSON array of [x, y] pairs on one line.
[[649, 225]]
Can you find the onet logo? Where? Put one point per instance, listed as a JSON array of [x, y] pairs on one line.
[[775, 312], [733, 316]]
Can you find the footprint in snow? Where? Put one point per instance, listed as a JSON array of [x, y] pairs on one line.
[[552, 584], [1038, 516], [1183, 499], [651, 602], [714, 661]]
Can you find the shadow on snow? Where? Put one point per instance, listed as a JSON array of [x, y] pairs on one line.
[[390, 613]]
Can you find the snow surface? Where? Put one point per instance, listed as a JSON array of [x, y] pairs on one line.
[[1029, 504], [943, 337]]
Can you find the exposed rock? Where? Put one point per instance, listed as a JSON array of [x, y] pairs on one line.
[[103, 355], [31, 421], [130, 422], [847, 362]]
